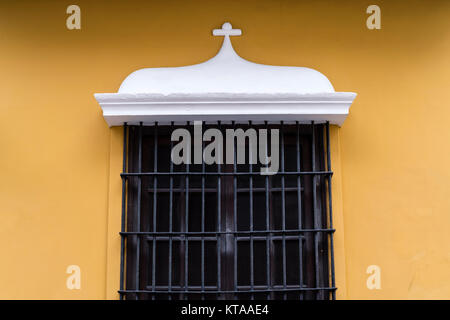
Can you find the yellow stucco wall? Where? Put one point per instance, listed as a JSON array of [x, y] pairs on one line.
[[60, 189]]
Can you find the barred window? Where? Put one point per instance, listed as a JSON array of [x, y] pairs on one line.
[[199, 231]]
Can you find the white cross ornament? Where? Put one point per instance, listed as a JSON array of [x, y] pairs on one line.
[[227, 30]]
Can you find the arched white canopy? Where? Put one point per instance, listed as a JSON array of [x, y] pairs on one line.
[[226, 87]]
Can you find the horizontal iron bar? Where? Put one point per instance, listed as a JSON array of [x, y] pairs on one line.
[[209, 238], [213, 233], [229, 291], [264, 238], [242, 287], [214, 190], [256, 173], [182, 287], [181, 238]]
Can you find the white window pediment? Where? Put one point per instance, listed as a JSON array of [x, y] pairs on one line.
[[228, 88]]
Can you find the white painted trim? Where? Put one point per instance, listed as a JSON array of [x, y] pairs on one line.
[[148, 108], [226, 88]]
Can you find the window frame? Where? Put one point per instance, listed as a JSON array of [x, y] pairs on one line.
[[321, 170]]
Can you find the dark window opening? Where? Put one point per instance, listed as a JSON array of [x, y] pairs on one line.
[[201, 231]]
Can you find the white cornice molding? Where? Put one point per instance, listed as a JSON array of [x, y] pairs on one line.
[[119, 108]]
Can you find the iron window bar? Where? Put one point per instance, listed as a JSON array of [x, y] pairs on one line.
[[228, 232], [280, 173], [320, 228]]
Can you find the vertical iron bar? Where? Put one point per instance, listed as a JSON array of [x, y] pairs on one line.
[[268, 236], [203, 223], [330, 206], [299, 209], [155, 199], [124, 188], [316, 220], [235, 214], [186, 251], [219, 217], [138, 219], [283, 210], [170, 216], [250, 159]]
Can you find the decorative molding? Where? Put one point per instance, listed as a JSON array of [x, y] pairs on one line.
[[226, 88], [148, 108]]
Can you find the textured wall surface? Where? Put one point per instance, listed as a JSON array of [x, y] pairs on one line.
[[60, 189]]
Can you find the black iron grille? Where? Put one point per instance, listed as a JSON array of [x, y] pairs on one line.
[[200, 231]]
